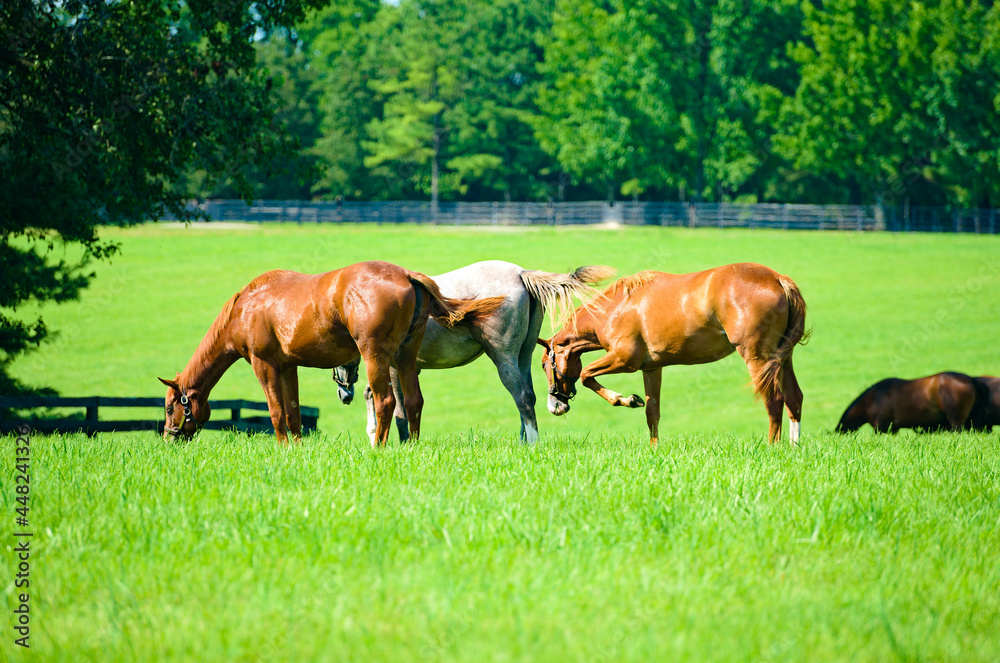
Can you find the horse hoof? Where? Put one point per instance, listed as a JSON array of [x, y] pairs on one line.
[[635, 401]]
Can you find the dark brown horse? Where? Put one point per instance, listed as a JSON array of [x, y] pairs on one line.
[[986, 412], [944, 401], [283, 320], [652, 319]]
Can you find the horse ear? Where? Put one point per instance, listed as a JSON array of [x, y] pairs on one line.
[[545, 344], [170, 383]]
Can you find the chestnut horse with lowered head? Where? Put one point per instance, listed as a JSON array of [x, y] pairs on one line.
[[282, 320], [944, 401], [652, 319]]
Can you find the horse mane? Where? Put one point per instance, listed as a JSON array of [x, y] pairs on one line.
[[266, 277], [208, 348], [201, 357], [631, 283]]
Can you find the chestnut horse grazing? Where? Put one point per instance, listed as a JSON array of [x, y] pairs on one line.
[[283, 320], [943, 401], [652, 319]]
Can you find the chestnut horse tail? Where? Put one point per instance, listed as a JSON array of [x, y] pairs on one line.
[[450, 312], [555, 292], [767, 381]]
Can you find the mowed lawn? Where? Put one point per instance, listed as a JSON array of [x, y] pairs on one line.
[[471, 546]]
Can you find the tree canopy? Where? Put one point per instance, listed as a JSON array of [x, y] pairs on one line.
[[104, 107], [875, 101]]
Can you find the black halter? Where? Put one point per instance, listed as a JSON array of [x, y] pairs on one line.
[[345, 385], [188, 417], [351, 368], [553, 391]]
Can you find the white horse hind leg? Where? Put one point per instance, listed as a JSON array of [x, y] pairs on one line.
[[794, 431], [520, 391]]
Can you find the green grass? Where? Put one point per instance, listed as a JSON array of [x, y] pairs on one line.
[[470, 546]]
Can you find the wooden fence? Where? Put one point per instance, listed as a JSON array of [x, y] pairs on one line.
[[690, 215], [91, 423]]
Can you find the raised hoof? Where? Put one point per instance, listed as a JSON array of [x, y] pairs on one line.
[[635, 401]]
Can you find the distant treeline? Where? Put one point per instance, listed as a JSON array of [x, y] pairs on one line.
[[891, 102]]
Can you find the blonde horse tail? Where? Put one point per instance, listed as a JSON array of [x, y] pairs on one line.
[[449, 312], [555, 292], [767, 379]]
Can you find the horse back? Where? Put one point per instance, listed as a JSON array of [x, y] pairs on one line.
[[691, 318], [930, 402], [315, 319]]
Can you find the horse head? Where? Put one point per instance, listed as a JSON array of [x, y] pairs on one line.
[[186, 412], [346, 376], [562, 369]]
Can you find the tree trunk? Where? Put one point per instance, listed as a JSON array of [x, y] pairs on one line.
[[434, 165]]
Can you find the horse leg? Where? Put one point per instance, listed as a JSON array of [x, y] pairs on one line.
[[370, 410], [775, 405], [409, 402], [270, 381], [606, 365], [651, 381], [513, 359], [526, 406], [524, 399], [793, 400], [406, 384], [290, 394], [773, 402], [383, 402], [526, 403], [399, 414]]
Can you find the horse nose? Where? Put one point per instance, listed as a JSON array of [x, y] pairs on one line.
[[345, 395], [557, 407]]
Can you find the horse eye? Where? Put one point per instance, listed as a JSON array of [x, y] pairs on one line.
[[170, 410]]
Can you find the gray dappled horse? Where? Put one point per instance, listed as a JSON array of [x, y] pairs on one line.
[[508, 336]]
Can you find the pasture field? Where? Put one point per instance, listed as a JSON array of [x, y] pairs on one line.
[[470, 546]]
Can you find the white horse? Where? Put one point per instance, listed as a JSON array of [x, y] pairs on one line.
[[508, 336]]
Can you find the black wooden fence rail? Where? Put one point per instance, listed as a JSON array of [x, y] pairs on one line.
[[690, 215], [91, 423]]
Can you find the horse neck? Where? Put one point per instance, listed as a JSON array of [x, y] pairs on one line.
[[210, 361], [581, 331], [856, 414]]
